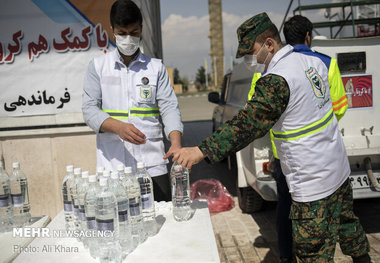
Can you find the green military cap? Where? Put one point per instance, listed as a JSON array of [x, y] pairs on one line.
[[249, 30]]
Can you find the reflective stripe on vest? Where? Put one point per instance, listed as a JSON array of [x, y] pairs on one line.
[[305, 131], [117, 114], [144, 112]]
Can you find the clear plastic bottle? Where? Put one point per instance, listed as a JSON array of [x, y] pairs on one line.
[[106, 216], [147, 200], [74, 196], [120, 171], [99, 172], [132, 186], [89, 208], [6, 211], [107, 175], [67, 201], [82, 188], [180, 192], [121, 195], [20, 196]]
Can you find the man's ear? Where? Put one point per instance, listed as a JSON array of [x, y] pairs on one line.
[[269, 43]]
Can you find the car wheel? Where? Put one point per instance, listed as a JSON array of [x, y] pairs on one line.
[[249, 200]]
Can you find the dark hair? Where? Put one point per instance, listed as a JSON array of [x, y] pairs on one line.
[[271, 32], [296, 28], [124, 13]]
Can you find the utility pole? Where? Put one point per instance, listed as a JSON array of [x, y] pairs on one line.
[[216, 43]]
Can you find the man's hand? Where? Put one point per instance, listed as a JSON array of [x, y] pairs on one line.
[[128, 132], [188, 156], [175, 140]]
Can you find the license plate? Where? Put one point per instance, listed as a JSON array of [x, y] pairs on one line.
[[362, 181]]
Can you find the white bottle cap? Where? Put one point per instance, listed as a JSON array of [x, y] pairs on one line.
[[106, 173], [128, 170], [85, 174], [77, 171], [140, 165], [120, 167], [114, 175], [70, 168], [103, 181], [16, 165], [92, 178]]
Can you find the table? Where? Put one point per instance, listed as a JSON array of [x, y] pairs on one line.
[[189, 241], [10, 243]]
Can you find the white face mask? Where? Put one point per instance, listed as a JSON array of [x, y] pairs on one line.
[[251, 63], [127, 44]]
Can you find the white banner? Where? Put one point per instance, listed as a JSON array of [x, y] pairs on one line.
[[45, 48]]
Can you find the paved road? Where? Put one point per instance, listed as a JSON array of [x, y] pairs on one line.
[[252, 238]]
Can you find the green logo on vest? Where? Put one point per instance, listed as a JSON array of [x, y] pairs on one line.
[[317, 83]]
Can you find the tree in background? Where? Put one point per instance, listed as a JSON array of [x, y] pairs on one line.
[[200, 79], [178, 80]]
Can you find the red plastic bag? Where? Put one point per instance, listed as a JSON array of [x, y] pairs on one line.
[[218, 197]]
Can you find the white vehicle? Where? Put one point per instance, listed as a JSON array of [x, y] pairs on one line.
[[358, 60]]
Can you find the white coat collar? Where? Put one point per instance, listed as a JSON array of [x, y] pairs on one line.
[[279, 55]]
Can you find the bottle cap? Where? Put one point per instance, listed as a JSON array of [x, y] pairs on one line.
[[85, 174], [70, 168], [100, 169], [140, 165], [16, 165], [106, 173], [114, 175], [120, 167], [92, 178], [103, 181], [128, 170], [77, 171]]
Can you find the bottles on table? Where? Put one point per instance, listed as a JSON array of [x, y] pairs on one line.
[[6, 210], [180, 192], [89, 208], [82, 188], [106, 216], [20, 196], [132, 186], [67, 201], [74, 196], [147, 199]]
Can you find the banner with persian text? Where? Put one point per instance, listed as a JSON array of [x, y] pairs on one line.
[[45, 48]]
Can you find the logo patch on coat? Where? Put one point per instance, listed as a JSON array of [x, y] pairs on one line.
[[145, 81], [145, 92], [317, 83]]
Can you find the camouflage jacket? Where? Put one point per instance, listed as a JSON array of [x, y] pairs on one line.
[[252, 122]]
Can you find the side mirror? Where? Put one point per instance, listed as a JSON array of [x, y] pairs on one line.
[[213, 97]]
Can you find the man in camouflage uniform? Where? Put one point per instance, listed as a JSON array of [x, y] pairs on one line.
[[287, 99]]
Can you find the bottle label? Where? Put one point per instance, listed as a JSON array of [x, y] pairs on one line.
[[91, 223], [17, 200], [146, 200], [134, 207], [82, 214], [104, 225], [123, 215], [76, 211], [67, 206], [4, 200]]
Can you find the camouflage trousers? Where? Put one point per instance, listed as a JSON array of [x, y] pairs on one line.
[[318, 225]]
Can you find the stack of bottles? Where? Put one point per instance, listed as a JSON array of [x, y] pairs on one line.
[[14, 198], [117, 202]]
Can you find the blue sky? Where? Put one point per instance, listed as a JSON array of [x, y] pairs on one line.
[[185, 28]]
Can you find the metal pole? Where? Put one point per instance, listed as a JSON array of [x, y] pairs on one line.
[[353, 20]]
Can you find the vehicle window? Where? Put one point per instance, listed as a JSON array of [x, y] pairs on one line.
[[352, 62], [238, 92]]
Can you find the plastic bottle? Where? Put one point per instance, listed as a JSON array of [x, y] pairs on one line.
[[74, 196], [67, 201], [132, 186], [89, 208], [180, 192], [120, 171], [107, 175], [147, 200], [121, 195], [106, 216], [99, 172], [82, 188], [20, 196], [6, 211]]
